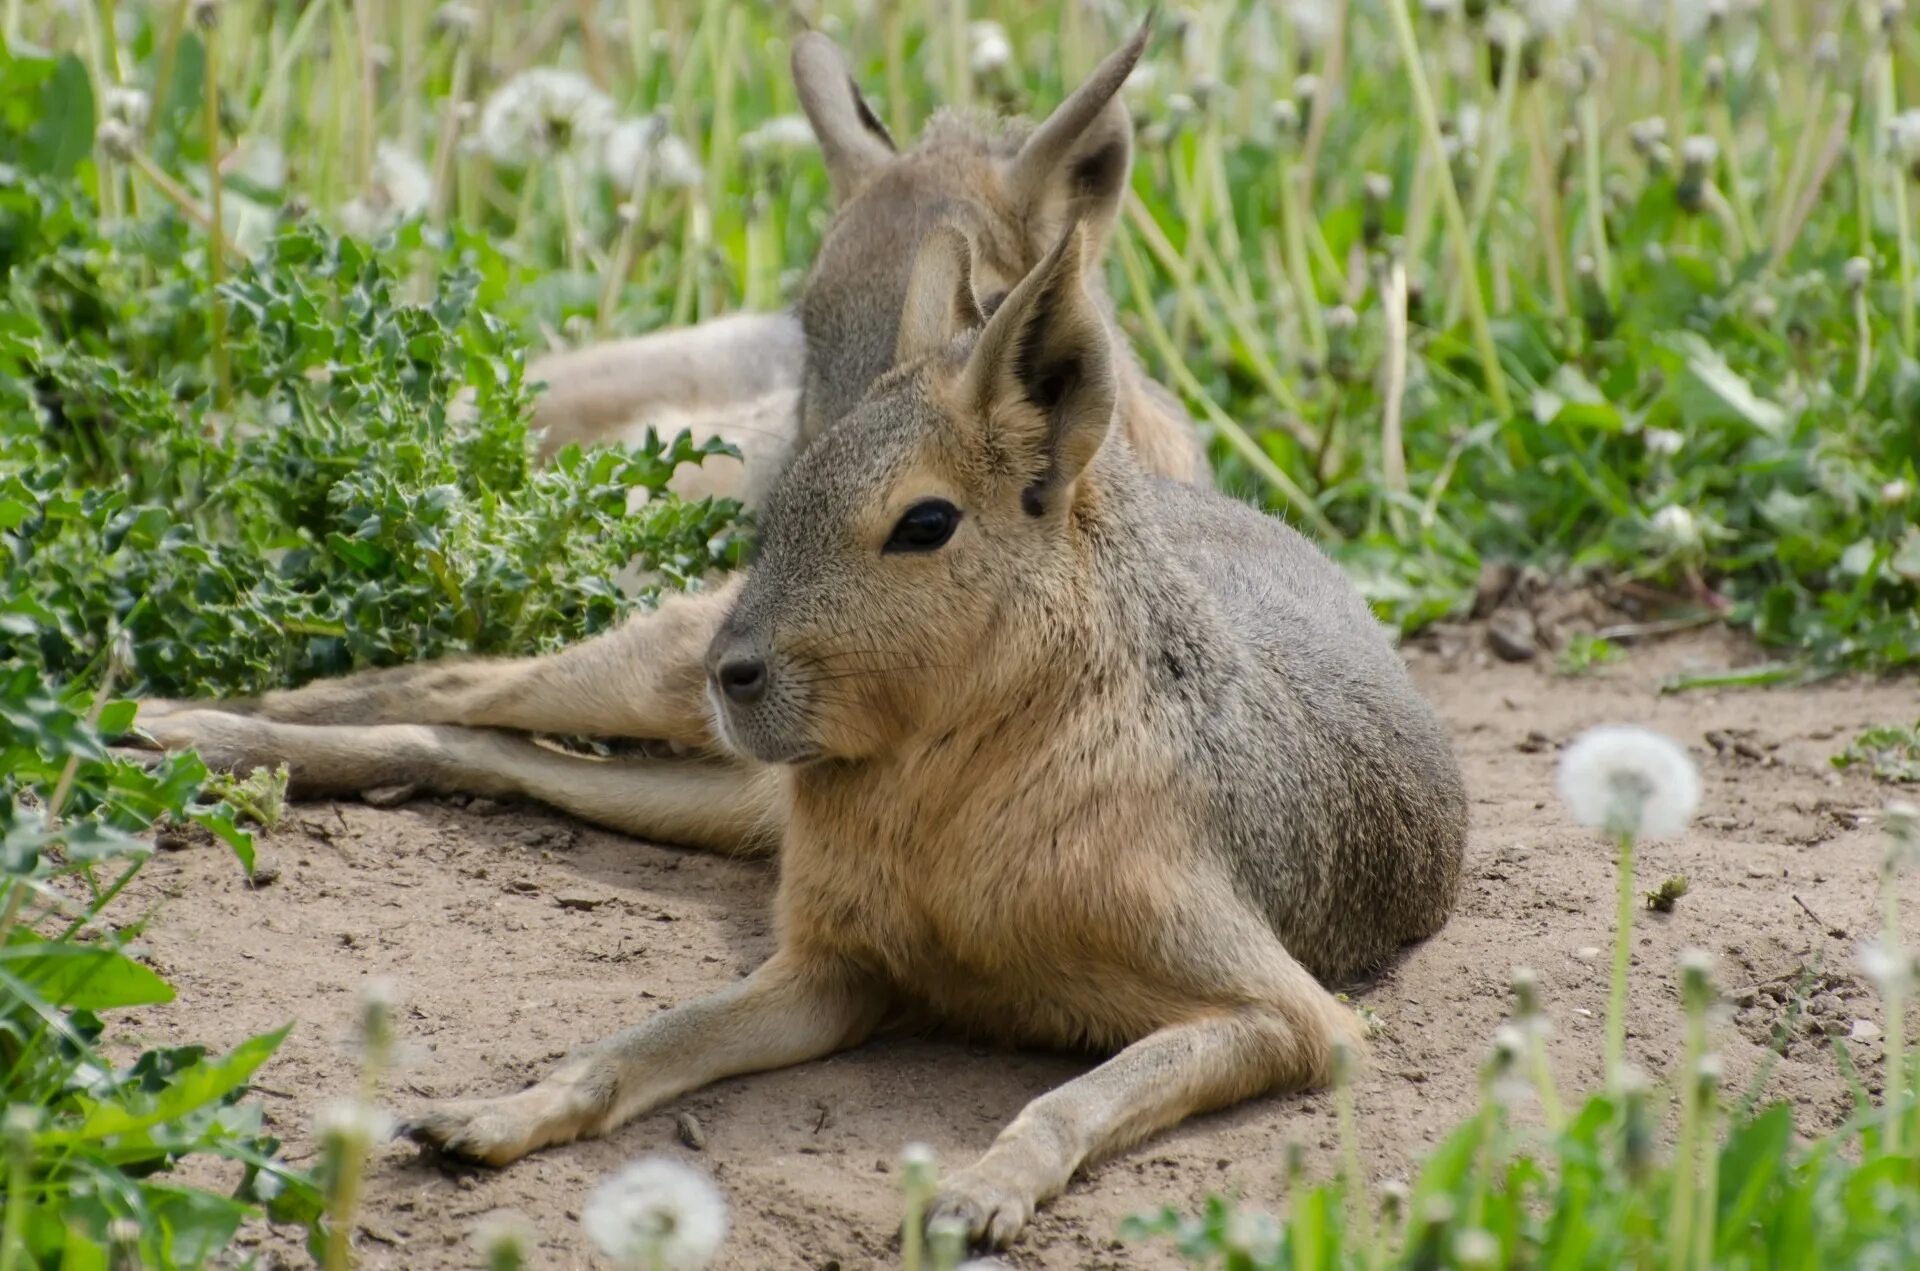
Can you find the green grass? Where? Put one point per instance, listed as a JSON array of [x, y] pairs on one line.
[[1446, 298]]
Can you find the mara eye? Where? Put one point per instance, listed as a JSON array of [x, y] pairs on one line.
[[992, 303], [924, 527]]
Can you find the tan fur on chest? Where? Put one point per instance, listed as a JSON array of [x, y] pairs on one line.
[[1016, 892]]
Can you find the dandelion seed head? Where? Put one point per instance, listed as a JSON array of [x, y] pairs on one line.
[[1252, 1235], [1313, 20], [458, 21], [989, 51], [778, 137], [643, 154], [504, 1233], [1889, 967], [1903, 138], [1858, 270], [1663, 441], [1547, 19], [117, 139], [657, 1212], [1476, 1247], [1628, 780], [1895, 492], [1676, 528], [352, 1122], [544, 113], [398, 187], [130, 106], [1699, 151]]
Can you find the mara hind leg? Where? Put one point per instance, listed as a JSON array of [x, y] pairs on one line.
[[595, 393], [794, 1008], [644, 679], [1209, 1061], [720, 805]]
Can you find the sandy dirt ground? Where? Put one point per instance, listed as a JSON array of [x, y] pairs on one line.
[[513, 934]]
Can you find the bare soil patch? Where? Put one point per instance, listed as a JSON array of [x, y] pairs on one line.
[[514, 934]]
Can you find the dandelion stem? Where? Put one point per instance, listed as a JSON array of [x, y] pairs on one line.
[[1863, 344], [1596, 192], [1456, 216], [163, 74], [1680, 1213], [1622, 952], [1185, 380], [216, 225]]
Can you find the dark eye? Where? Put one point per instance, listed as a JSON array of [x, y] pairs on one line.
[[923, 527], [992, 303]]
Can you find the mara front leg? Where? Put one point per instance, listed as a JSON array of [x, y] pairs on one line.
[[796, 1007], [596, 393], [1206, 1062], [644, 679], [721, 805]]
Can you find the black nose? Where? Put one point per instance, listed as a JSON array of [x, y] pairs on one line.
[[743, 679]]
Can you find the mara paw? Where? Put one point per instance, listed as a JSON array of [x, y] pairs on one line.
[[496, 1131], [484, 1131], [991, 1210]]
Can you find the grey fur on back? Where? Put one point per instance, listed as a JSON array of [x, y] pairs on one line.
[[1329, 784]]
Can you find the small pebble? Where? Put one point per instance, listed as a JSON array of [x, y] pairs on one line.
[[1587, 952], [1864, 1030], [687, 1127], [387, 796]]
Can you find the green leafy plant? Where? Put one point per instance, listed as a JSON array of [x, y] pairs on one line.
[[88, 1144], [1889, 752], [1597, 1188]]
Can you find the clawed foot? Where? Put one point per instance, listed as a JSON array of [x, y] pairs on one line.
[[991, 1210], [226, 742], [494, 1131]]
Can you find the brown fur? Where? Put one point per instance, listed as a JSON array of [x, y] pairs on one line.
[[742, 378], [1054, 780], [1122, 766]]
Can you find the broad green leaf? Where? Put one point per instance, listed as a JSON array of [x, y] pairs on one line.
[[82, 977], [64, 135]]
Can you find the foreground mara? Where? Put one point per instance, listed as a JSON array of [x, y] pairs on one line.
[[1064, 754], [461, 725]]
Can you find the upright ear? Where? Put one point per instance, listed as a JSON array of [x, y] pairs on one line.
[[1041, 378], [1074, 167], [940, 302], [856, 144]]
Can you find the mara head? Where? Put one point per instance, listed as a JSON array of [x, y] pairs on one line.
[[920, 550], [1009, 188]]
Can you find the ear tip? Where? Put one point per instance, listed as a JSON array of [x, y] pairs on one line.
[[816, 52]]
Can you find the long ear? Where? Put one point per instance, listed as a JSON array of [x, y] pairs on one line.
[[1074, 167], [1041, 377], [856, 144], [940, 302]]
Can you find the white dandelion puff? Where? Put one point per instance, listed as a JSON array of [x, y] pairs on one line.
[[1548, 18], [659, 1213], [353, 1122], [1628, 780], [543, 113], [505, 1237], [642, 154], [399, 187], [1313, 19], [1903, 138], [129, 105], [779, 136], [117, 139], [1663, 441], [1889, 967], [989, 49], [1676, 528]]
